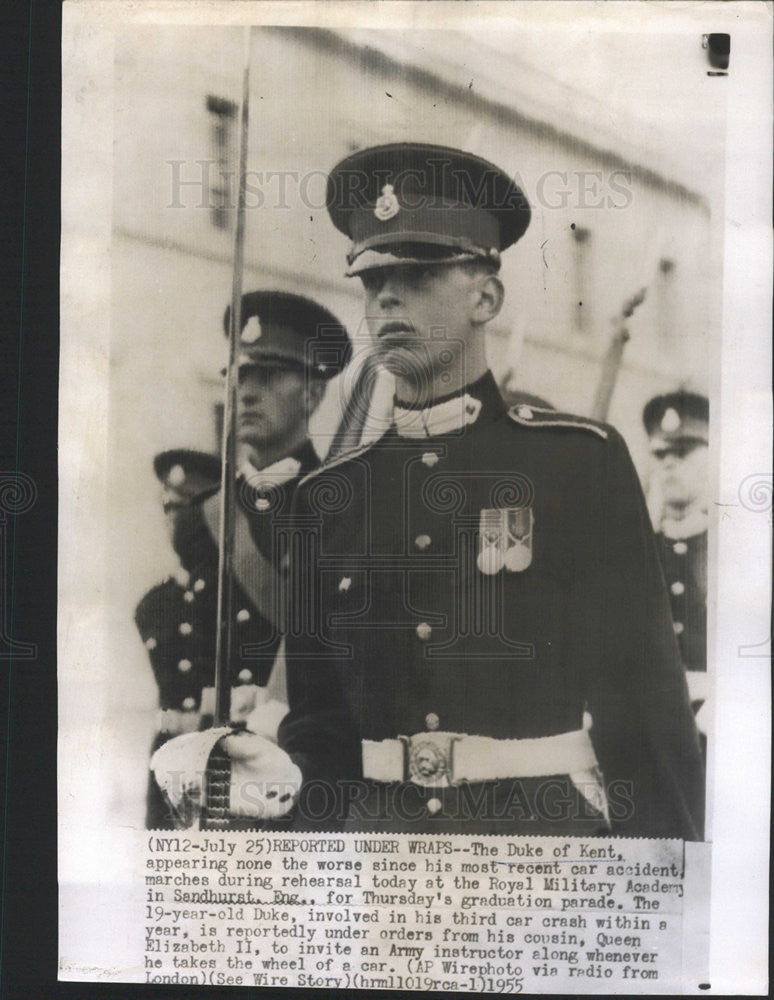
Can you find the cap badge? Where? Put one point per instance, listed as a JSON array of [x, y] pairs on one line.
[[176, 475], [670, 421], [252, 331], [386, 204], [505, 540]]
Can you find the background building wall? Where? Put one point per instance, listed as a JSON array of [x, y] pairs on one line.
[[638, 229]]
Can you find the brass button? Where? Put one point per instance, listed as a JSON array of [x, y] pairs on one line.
[[679, 628], [189, 703], [184, 666], [422, 542], [262, 503], [677, 588], [432, 721], [525, 413], [433, 805], [429, 459], [188, 596], [245, 675], [680, 548], [243, 615], [150, 643], [185, 628], [198, 585], [424, 631]]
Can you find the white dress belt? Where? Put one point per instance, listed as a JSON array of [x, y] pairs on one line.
[[438, 760]]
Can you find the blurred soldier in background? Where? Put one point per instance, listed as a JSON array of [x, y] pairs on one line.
[[169, 620], [677, 425], [476, 578], [184, 475], [281, 383]]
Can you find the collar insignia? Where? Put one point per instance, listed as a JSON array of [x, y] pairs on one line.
[[443, 418]]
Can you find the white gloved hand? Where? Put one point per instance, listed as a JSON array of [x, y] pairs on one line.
[[264, 780], [180, 766], [265, 718]]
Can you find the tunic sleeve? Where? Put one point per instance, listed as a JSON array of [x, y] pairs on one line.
[[318, 732]]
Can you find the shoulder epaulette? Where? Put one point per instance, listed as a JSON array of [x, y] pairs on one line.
[[342, 457], [541, 416]]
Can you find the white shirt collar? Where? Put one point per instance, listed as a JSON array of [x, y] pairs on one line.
[[694, 523], [451, 415], [276, 474]]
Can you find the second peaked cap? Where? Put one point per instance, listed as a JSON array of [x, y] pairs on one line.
[[408, 202], [283, 330], [677, 416]]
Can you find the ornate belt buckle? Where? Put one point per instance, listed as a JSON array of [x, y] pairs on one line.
[[429, 758]]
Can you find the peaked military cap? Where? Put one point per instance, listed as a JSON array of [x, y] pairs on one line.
[[418, 203], [176, 466], [677, 416], [185, 474], [283, 330]]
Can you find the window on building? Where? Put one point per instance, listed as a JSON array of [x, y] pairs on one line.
[[581, 278], [222, 175]]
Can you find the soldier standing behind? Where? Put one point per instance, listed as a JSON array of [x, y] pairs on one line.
[[168, 617], [677, 425], [289, 348]]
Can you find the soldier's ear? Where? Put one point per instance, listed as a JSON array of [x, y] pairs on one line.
[[490, 295], [315, 392]]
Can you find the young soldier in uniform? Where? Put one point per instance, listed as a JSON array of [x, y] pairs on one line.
[[677, 425], [477, 578], [289, 348]]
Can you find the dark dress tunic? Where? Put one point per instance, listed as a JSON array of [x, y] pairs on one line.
[[401, 631]]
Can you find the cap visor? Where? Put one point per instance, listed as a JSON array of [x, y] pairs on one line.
[[370, 260], [274, 361]]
